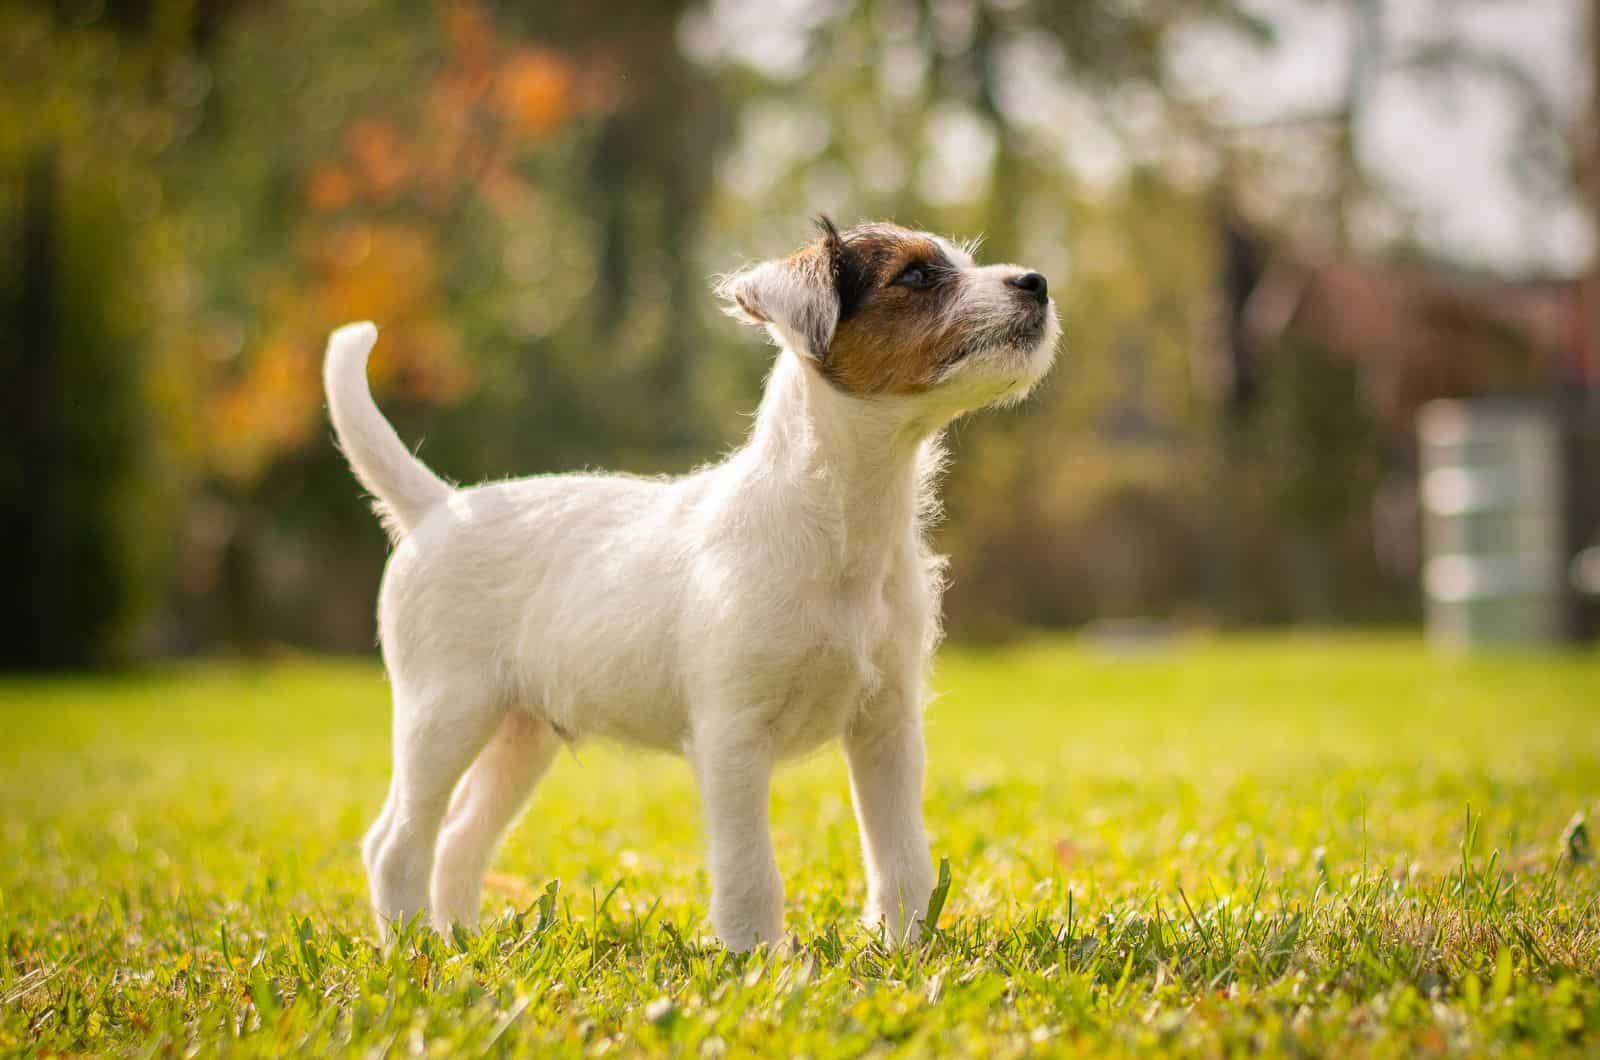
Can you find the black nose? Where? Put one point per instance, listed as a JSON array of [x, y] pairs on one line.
[[1033, 283]]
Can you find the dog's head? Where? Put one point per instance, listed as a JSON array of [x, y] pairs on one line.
[[882, 310]]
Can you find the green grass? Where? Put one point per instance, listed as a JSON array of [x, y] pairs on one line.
[[1320, 845]]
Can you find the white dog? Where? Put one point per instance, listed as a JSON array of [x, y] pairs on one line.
[[745, 613]]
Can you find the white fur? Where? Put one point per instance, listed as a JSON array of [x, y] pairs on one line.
[[799, 309], [743, 614], [376, 454]]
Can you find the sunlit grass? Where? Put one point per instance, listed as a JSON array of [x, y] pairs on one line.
[[1321, 844]]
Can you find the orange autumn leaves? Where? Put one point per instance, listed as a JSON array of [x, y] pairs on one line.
[[380, 270], [370, 232]]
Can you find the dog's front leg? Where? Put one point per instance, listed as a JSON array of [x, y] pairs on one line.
[[885, 753], [734, 767]]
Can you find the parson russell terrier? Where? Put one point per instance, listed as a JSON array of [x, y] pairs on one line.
[[743, 614]]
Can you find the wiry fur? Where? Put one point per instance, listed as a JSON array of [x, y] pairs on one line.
[[743, 614]]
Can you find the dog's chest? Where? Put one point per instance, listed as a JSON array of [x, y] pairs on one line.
[[843, 663]]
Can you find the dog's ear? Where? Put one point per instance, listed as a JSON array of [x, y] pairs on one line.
[[797, 297]]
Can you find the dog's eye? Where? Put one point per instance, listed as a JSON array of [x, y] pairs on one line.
[[917, 276]]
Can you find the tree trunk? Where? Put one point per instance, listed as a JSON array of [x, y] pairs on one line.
[[33, 386]]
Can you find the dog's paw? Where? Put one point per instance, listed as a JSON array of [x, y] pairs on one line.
[[742, 938]]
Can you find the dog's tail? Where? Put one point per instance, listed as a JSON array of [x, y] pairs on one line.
[[403, 488]]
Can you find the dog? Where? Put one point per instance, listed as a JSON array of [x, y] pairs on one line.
[[743, 614]]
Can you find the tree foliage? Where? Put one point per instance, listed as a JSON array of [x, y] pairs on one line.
[[529, 199]]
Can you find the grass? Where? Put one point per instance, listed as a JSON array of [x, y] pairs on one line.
[[1291, 845]]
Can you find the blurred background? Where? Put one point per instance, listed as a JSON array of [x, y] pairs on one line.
[[1327, 272]]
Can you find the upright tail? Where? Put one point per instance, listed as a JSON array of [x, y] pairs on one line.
[[403, 488]]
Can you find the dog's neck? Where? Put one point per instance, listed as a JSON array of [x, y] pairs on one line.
[[851, 472]]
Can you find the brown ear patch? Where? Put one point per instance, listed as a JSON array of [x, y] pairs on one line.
[[816, 268], [891, 338], [798, 294]]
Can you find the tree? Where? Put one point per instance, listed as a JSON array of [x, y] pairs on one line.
[[513, 197], [87, 110]]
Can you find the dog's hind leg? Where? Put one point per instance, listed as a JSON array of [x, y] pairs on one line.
[[485, 803], [437, 733]]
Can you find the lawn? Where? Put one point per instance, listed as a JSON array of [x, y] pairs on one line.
[[1288, 844]]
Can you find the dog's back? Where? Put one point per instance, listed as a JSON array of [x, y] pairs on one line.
[[545, 581]]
